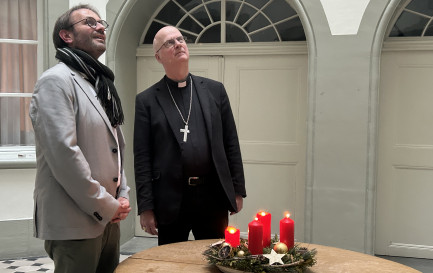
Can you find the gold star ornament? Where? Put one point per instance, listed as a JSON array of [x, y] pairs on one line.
[[274, 257]]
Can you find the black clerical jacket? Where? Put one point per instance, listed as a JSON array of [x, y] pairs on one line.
[[159, 176]]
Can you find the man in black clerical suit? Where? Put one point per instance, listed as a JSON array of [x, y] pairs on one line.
[[188, 164]]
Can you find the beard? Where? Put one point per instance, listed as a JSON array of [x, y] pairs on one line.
[[91, 44]]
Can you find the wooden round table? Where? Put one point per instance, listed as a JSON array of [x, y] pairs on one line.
[[187, 257]]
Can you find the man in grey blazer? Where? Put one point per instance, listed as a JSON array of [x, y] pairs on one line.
[[80, 193], [188, 164]]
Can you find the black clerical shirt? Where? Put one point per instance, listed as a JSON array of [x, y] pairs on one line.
[[196, 152]]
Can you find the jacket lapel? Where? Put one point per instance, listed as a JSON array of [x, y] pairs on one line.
[[84, 85], [204, 97], [165, 101]]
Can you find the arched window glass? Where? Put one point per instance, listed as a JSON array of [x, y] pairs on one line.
[[228, 21], [416, 20]]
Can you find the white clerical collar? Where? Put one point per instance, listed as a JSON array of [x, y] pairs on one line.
[[181, 84]]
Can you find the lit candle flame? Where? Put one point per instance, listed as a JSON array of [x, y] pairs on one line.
[[263, 213], [287, 215], [232, 230]]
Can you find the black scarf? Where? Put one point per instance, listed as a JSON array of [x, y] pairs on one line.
[[100, 76]]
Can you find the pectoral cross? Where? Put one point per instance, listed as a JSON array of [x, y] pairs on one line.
[[185, 132]]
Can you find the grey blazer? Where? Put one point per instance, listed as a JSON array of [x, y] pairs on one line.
[[77, 158]]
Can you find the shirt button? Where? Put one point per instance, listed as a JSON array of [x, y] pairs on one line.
[[114, 150], [115, 179]]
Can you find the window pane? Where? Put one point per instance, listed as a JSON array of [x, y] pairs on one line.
[[267, 35], [191, 39], [215, 11], [279, 10], [191, 25], [408, 24], [18, 19], [19, 68], [15, 124], [257, 23], [246, 13], [189, 4], [231, 10], [202, 16], [153, 29], [291, 30], [170, 14], [235, 34], [421, 6], [18, 73], [212, 35], [429, 31], [263, 15], [257, 3]]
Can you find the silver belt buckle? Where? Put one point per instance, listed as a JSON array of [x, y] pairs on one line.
[[192, 178]]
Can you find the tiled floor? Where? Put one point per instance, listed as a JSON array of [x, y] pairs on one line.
[[32, 265], [422, 265], [44, 264]]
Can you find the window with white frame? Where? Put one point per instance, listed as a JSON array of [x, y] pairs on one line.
[[415, 20], [228, 21], [18, 75]]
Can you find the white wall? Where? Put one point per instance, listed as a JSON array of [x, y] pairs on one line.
[[344, 16], [344, 72], [18, 198]]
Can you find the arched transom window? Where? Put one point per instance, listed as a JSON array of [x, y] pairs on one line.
[[227, 21], [416, 20]]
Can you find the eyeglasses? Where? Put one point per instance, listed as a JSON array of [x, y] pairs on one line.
[[91, 22], [172, 42]]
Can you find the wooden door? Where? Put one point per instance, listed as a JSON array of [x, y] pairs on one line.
[[268, 96], [405, 155]]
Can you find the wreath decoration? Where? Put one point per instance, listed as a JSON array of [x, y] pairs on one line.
[[275, 258]]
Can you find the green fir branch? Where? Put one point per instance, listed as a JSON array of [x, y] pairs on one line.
[[296, 260]]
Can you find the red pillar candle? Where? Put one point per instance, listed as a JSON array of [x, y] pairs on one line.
[[265, 218], [287, 231], [232, 236], [255, 237]]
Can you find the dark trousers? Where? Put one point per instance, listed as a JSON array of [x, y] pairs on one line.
[[98, 255], [202, 211]]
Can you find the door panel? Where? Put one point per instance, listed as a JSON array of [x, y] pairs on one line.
[[405, 162], [268, 96]]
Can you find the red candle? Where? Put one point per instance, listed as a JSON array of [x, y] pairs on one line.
[[255, 237], [265, 218], [232, 236], [287, 231]]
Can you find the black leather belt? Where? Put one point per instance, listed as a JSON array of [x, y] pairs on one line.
[[195, 180]]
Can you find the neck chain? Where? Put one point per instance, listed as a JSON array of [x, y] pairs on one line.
[[185, 130]]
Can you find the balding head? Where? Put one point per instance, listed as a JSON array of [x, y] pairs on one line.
[[175, 57], [161, 36]]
